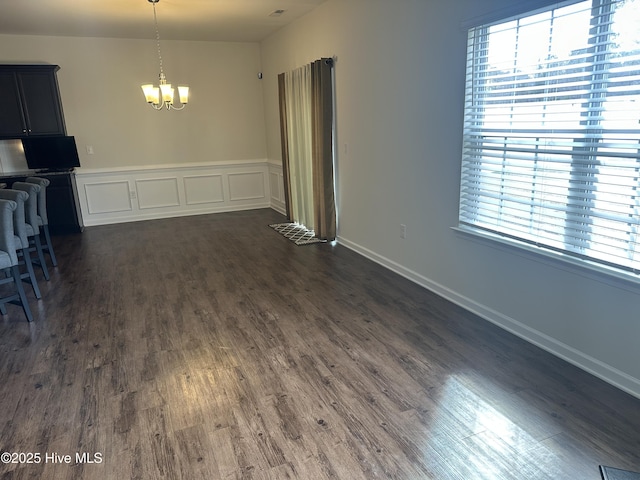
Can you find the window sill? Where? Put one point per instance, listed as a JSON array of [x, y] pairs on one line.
[[591, 270]]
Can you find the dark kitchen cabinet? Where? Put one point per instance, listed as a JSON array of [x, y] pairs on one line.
[[30, 101]]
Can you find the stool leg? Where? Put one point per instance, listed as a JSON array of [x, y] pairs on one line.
[[43, 265], [47, 238], [32, 274], [15, 271]]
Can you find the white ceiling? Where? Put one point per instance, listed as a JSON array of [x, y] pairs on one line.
[[211, 20]]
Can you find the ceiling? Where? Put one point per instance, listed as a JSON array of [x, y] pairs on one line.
[[209, 20]]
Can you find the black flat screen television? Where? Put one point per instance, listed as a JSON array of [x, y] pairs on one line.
[[51, 153]]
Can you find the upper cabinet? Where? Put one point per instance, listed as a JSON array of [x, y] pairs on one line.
[[30, 101]]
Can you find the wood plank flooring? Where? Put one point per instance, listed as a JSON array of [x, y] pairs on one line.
[[210, 347]]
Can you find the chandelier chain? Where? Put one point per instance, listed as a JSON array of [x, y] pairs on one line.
[[155, 20]]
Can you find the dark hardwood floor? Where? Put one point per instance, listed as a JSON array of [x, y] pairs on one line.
[[211, 347]]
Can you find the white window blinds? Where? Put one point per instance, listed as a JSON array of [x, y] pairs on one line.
[[551, 151]]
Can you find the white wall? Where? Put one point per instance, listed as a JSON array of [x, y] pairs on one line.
[[399, 104], [104, 106]]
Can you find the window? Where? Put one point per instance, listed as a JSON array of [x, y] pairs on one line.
[[551, 151]]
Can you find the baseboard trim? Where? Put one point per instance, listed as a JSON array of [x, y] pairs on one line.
[[581, 360]]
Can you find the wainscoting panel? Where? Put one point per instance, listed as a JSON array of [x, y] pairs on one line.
[[158, 193], [202, 189], [276, 188], [274, 179], [246, 186], [106, 197], [143, 193]]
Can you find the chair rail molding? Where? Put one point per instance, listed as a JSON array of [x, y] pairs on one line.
[[129, 194]]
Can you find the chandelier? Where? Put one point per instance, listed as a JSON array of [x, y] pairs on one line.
[[162, 96]]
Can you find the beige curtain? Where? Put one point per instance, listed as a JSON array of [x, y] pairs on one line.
[[299, 139], [306, 129]]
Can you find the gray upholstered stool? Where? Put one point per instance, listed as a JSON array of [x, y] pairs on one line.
[[9, 260], [43, 220], [20, 233], [31, 221]]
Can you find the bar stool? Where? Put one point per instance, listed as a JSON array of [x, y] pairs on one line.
[[21, 236], [43, 220], [31, 220], [9, 260]]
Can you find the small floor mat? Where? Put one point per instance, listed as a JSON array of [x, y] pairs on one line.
[[297, 233]]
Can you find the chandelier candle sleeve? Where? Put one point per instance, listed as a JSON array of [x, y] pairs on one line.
[[183, 93], [151, 93], [167, 92]]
